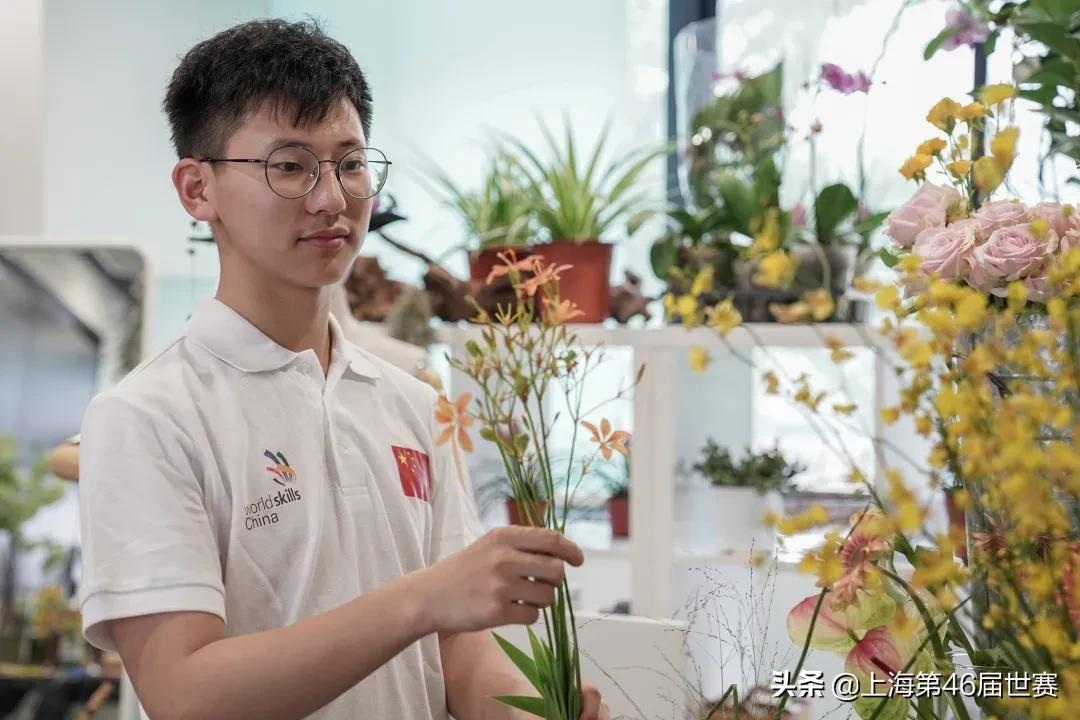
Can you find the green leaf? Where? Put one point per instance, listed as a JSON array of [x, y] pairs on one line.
[[521, 442], [833, 205], [888, 258], [870, 223], [472, 348], [531, 705], [488, 434], [933, 45], [523, 662], [637, 220], [739, 201], [663, 255]]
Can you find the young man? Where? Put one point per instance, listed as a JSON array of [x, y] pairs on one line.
[[269, 529]]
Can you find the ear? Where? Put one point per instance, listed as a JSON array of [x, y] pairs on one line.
[[193, 181]]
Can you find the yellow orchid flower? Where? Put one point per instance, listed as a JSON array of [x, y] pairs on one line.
[[996, 94], [932, 147], [775, 269], [943, 114], [699, 358]]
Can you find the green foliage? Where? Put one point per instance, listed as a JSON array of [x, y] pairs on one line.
[[1052, 28], [23, 495], [1054, 24], [499, 212], [833, 205], [763, 471], [738, 132], [580, 200]]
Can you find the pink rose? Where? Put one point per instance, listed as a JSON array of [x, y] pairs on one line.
[[928, 207], [1010, 253], [945, 251], [1062, 218], [999, 214], [1038, 286], [1069, 241]]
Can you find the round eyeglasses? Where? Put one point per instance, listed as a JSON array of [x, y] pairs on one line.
[[293, 171]]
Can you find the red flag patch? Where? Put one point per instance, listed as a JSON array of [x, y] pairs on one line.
[[414, 470]]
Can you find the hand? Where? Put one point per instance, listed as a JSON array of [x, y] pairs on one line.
[[503, 578], [593, 708]]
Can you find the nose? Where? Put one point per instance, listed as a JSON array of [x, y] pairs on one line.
[[327, 196]]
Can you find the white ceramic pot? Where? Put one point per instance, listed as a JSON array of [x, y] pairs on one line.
[[740, 514]]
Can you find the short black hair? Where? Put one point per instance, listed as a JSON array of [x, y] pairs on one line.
[[294, 65]]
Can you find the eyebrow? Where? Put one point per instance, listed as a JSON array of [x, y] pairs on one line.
[[287, 141]]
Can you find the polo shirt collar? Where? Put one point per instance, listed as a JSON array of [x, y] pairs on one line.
[[231, 338]]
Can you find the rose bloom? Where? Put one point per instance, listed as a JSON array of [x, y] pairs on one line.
[[1011, 253], [999, 214], [928, 207], [1061, 221], [1069, 241], [945, 251]]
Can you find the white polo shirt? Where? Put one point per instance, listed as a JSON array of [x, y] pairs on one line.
[[228, 475]]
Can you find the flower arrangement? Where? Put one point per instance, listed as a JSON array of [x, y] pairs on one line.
[[527, 357], [943, 232]]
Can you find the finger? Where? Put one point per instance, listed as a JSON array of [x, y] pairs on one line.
[[546, 542], [531, 565], [590, 703], [605, 711], [519, 614], [537, 593]]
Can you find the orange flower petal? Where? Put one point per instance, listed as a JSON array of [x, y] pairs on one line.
[[445, 435], [591, 428], [465, 441], [463, 402]]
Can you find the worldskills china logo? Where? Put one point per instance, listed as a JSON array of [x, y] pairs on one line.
[[281, 472], [265, 511]]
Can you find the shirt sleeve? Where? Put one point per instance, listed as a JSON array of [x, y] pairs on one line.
[[456, 523], [147, 543]]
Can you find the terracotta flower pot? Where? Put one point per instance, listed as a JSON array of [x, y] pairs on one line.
[[481, 263], [519, 517], [619, 513], [588, 282]]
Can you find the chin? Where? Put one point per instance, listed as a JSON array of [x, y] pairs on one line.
[[326, 271]]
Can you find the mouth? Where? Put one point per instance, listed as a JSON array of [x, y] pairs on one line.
[[329, 239]]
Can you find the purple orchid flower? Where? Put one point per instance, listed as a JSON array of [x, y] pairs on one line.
[[968, 29], [843, 82]]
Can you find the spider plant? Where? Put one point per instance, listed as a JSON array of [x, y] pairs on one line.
[[499, 212], [580, 198]]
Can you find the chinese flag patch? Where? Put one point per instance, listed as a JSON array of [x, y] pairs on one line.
[[414, 469]]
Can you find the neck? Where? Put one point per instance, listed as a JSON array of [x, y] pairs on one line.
[[295, 318]]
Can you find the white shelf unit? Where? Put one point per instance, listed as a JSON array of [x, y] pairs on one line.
[[651, 548]]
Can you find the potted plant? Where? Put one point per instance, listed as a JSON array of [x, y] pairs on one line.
[[745, 490], [576, 205], [52, 620], [616, 478], [21, 496], [770, 260], [497, 215]]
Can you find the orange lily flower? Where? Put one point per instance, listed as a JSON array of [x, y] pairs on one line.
[[456, 418], [511, 265], [542, 275], [609, 441], [561, 312]]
